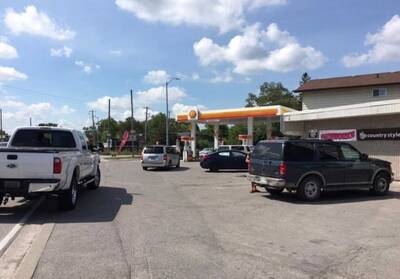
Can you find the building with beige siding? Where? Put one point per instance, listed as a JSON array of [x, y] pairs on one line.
[[362, 109]]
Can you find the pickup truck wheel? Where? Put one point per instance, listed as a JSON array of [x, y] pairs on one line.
[[67, 198], [96, 182], [179, 164], [381, 184], [310, 189], [274, 192]]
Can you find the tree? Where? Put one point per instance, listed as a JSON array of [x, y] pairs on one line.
[[273, 93], [48, 124], [4, 136], [304, 78]]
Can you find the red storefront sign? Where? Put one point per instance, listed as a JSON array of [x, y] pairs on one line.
[[338, 135]]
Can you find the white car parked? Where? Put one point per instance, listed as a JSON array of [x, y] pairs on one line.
[[243, 148], [43, 160]]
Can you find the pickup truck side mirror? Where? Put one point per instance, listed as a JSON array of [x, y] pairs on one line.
[[364, 157]]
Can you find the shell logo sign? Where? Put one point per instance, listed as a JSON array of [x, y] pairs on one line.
[[193, 114]]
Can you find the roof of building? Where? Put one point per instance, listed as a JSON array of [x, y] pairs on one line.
[[351, 81]]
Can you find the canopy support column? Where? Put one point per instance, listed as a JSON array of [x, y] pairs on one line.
[[216, 136], [269, 129], [193, 136], [250, 124]]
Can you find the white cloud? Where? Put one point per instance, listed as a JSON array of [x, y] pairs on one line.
[[116, 52], [10, 74], [87, 67], [257, 50], [156, 77], [225, 15], [7, 51], [179, 108], [61, 52], [195, 76], [65, 109], [153, 97], [385, 46], [37, 23], [17, 112], [224, 77]]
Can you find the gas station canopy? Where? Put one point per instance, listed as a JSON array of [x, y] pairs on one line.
[[230, 116], [267, 114]]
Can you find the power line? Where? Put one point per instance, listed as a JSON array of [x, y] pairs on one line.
[[42, 93]]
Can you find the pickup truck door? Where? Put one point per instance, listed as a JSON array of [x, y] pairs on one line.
[[85, 158]]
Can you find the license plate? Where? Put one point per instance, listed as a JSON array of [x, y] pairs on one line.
[[153, 158], [11, 184]]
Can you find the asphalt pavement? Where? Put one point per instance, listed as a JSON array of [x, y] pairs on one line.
[[189, 223]]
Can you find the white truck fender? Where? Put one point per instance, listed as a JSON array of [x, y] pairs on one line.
[[71, 165]]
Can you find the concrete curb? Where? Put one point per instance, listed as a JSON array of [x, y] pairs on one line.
[[31, 259], [9, 238]]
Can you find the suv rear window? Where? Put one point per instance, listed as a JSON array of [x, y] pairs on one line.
[[299, 151], [268, 151], [154, 150], [45, 138]]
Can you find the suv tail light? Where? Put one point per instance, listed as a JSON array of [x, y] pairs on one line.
[[57, 165], [282, 169], [205, 157], [249, 165], [141, 156], [165, 157]]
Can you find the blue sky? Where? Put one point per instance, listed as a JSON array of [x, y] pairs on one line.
[[59, 59]]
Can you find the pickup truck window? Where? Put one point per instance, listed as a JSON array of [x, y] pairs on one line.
[[45, 138]]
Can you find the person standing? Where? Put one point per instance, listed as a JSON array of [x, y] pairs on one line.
[[253, 185]]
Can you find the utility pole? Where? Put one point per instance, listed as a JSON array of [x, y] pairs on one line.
[[109, 120], [94, 129], [30, 121], [1, 124], [131, 133], [167, 110], [145, 126]]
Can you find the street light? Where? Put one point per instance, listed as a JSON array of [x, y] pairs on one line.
[[167, 111]]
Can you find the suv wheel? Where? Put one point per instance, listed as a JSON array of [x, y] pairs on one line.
[[381, 184], [179, 164], [274, 192], [310, 189]]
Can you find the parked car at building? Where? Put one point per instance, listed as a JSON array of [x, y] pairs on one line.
[[205, 151], [160, 156], [312, 166], [227, 159], [44, 160], [243, 148]]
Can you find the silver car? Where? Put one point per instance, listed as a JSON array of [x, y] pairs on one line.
[[160, 156]]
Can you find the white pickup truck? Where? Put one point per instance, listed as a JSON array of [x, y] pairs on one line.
[[46, 160]]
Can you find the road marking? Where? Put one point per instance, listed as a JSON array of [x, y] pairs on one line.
[[8, 239]]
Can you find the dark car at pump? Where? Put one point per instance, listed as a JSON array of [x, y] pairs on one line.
[[226, 159]]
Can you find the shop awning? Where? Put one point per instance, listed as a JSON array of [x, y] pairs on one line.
[[360, 110]]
